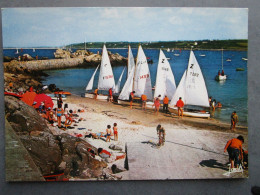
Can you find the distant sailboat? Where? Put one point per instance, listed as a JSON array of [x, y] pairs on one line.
[[168, 50], [106, 78], [221, 76], [17, 51], [192, 89], [33, 50]]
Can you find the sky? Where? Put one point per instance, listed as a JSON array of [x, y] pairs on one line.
[[39, 27]]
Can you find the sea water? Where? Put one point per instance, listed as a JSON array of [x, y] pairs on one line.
[[232, 93]]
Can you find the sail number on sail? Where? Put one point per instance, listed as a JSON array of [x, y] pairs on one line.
[[144, 76], [194, 74], [108, 77], [166, 69]]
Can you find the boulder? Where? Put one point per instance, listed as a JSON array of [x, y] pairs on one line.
[[23, 118], [76, 160], [50, 153], [62, 54]]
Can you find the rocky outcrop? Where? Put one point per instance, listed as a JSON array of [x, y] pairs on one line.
[[67, 60], [50, 153], [62, 54]]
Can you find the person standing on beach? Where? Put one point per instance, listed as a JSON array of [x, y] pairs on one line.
[[110, 95], [96, 93], [180, 105], [165, 104], [234, 120], [108, 130], [59, 113], [161, 134], [59, 100], [235, 152], [131, 98], [157, 105], [144, 99], [115, 132]]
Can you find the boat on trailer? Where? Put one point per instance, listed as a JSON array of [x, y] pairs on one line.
[[164, 80], [193, 91], [139, 80], [106, 78]]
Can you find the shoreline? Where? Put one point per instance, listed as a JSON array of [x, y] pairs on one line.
[[209, 124]]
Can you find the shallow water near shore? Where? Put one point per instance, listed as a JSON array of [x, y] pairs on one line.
[[232, 93]]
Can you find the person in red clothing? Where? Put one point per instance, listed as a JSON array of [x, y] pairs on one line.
[[165, 104], [180, 105], [234, 148], [144, 99], [157, 105], [115, 132], [110, 95], [131, 98]]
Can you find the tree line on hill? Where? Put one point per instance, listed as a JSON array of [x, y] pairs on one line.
[[238, 44]]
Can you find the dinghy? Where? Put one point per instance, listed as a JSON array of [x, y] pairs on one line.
[[106, 78], [164, 80], [221, 77], [192, 89], [139, 80]]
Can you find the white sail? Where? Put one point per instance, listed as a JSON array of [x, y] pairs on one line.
[[180, 91], [130, 61], [192, 87], [196, 91], [106, 78], [142, 79], [128, 87], [91, 81], [165, 82], [117, 88]]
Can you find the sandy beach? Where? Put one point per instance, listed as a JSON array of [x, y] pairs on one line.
[[193, 149]]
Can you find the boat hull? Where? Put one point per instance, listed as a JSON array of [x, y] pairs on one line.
[[220, 77], [99, 97], [191, 114]]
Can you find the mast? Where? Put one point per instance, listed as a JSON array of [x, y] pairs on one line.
[[135, 67], [128, 60], [85, 43], [222, 58]]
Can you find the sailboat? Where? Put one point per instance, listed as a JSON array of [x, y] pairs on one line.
[[168, 50], [192, 89], [117, 88], [130, 61], [17, 51], [220, 76], [106, 78], [33, 50], [139, 79], [165, 82]]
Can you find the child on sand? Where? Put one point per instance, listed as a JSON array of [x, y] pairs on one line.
[[108, 130], [115, 132], [161, 134]]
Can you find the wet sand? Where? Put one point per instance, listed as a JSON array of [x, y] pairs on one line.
[[194, 148]]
